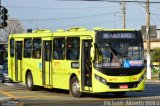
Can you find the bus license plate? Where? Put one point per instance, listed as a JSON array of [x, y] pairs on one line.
[[123, 86]]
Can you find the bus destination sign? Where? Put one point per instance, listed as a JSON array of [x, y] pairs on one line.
[[118, 35]]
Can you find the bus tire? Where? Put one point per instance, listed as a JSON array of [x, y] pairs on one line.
[[119, 94], [75, 87], [29, 82]]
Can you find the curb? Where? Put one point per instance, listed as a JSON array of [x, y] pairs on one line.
[[152, 80]]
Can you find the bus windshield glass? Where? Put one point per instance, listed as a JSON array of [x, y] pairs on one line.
[[118, 50]]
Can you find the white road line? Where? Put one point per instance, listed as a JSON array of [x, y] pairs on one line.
[[8, 84]]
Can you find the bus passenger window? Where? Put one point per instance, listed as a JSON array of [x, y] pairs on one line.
[[56, 55], [59, 48], [73, 48], [27, 48], [37, 54], [12, 47], [37, 48]]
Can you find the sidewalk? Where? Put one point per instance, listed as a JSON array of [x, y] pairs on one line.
[[155, 78], [152, 80]]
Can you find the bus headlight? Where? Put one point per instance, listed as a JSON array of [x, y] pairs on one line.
[[141, 78], [102, 80]]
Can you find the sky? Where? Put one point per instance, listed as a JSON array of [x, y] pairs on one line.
[[54, 14]]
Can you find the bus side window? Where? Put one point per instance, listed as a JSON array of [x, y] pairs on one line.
[[73, 48], [59, 48], [37, 48], [37, 54], [27, 48], [56, 55], [12, 47]]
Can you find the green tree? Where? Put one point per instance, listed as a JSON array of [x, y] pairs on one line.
[[155, 55]]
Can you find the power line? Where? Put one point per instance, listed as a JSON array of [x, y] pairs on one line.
[[118, 1], [92, 23], [28, 7], [141, 5], [96, 15], [155, 14]]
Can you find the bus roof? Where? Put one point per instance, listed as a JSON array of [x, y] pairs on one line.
[[71, 31]]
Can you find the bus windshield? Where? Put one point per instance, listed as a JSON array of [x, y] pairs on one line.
[[118, 53]]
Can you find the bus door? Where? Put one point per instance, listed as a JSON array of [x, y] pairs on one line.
[[18, 61], [86, 68], [46, 63]]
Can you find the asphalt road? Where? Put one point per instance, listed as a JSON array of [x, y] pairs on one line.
[[14, 94]]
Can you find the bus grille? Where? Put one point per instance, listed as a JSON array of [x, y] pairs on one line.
[[117, 85]]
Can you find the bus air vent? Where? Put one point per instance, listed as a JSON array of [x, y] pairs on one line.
[[98, 28], [77, 29], [29, 30], [60, 30], [42, 31]]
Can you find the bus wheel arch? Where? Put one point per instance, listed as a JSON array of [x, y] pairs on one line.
[[29, 80], [74, 86]]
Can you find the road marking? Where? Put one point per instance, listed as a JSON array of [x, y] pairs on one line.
[[8, 94], [5, 98], [21, 104], [23, 97], [56, 102], [8, 84]]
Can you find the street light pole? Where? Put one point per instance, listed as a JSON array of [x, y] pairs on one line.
[[123, 4], [148, 40]]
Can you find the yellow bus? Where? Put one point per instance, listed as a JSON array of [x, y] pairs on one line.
[[78, 60]]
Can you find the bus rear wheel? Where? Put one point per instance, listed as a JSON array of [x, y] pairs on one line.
[[29, 82], [119, 94], [75, 87]]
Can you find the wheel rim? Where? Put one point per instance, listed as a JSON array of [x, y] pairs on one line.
[[29, 81], [75, 87]]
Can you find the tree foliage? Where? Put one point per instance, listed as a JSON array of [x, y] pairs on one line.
[[155, 55]]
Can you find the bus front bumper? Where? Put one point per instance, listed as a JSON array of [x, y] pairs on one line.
[[101, 85]]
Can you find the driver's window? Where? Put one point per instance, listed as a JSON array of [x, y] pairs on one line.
[[135, 53]]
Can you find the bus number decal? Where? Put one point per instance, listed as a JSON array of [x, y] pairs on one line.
[[113, 79], [56, 64]]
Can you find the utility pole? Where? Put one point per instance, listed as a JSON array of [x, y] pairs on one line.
[[123, 4], [148, 40]]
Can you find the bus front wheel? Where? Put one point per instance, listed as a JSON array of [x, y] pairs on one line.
[[29, 82], [75, 87]]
